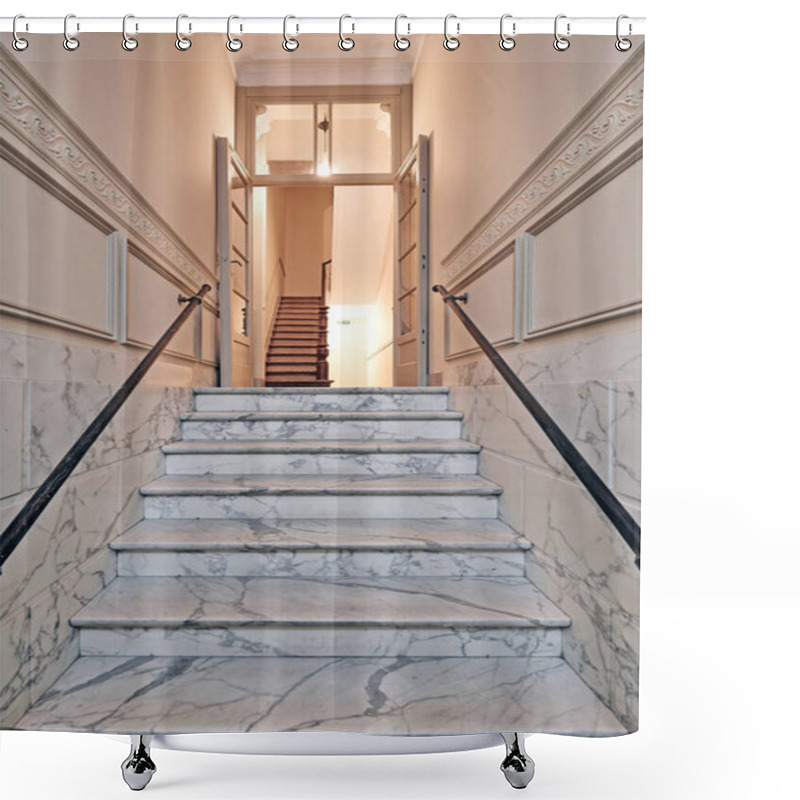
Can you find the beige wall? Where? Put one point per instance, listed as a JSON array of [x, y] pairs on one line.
[[155, 119], [557, 288], [517, 102], [108, 214], [307, 239]]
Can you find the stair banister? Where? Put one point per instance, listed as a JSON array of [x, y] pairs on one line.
[[31, 511], [619, 516]]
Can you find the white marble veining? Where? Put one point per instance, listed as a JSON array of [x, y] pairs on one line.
[[339, 602], [300, 496], [333, 399], [326, 534], [333, 426], [322, 563], [383, 695], [408, 641], [313, 458]]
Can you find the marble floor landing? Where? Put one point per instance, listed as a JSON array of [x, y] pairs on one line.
[[407, 696]]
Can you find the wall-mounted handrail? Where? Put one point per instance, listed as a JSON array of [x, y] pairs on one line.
[[619, 516], [326, 281], [30, 512]]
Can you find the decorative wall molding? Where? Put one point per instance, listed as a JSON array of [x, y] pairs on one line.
[[31, 115], [603, 139], [518, 250]]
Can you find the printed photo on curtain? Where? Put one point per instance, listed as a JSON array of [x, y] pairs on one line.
[[320, 388]]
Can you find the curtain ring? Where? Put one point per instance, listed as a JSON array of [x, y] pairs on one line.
[[290, 44], [560, 43], [345, 42], [233, 44], [70, 42], [623, 45], [18, 43], [451, 42], [400, 42], [129, 43], [181, 42], [506, 42]]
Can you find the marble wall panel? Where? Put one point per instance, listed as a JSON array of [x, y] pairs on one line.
[[14, 667], [510, 474], [53, 642], [626, 477], [64, 559], [12, 430]]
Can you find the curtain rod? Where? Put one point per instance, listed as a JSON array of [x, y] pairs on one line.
[[408, 26]]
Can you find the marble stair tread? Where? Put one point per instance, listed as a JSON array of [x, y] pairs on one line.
[[428, 695], [331, 416], [436, 535], [226, 485], [225, 602], [294, 446]]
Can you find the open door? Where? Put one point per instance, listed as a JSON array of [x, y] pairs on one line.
[[411, 269], [235, 265]]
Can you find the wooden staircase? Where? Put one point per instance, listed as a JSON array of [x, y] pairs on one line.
[[298, 349]]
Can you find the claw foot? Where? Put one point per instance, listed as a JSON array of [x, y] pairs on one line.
[[517, 766], [138, 768]]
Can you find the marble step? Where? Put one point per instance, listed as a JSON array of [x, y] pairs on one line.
[[338, 548], [333, 399], [425, 696], [313, 496], [276, 457], [396, 616], [325, 425]]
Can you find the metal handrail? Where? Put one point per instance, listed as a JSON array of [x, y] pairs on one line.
[[619, 516], [30, 512], [326, 281]]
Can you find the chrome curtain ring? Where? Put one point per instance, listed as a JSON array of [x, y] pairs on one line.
[[181, 42], [129, 43], [623, 45], [345, 42], [451, 42], [400, 42], [506, 42], [18, 43], [290, 44], [560, 43], [233, 44], [70, 42]]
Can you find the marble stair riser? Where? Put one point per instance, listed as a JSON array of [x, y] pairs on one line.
[[323, 641], [322, 429], [299, 506], [322, 463], [315, 401], [322, 563]]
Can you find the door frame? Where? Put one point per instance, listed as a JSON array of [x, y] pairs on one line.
[[226, 157], [417, 158]]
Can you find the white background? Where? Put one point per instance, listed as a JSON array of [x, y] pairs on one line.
[[719, 695]]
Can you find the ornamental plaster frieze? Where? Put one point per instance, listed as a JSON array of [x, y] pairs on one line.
[[29, 113], [609, 124]]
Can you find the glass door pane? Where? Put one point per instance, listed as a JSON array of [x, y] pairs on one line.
[[284, 139], [361, 138]]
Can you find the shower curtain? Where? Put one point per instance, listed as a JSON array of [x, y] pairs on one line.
[[324, 508]]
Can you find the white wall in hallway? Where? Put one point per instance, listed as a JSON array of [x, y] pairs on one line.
[[361, 286]]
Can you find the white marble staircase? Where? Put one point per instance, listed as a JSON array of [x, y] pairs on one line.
[[321, 559]]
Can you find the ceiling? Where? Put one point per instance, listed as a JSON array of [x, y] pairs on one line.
[[319, 62]]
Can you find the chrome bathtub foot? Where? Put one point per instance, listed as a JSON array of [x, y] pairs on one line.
[[138, 768], [517, 766]]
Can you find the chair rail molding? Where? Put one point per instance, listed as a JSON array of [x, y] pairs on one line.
[[32, 116], [600, 142]]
